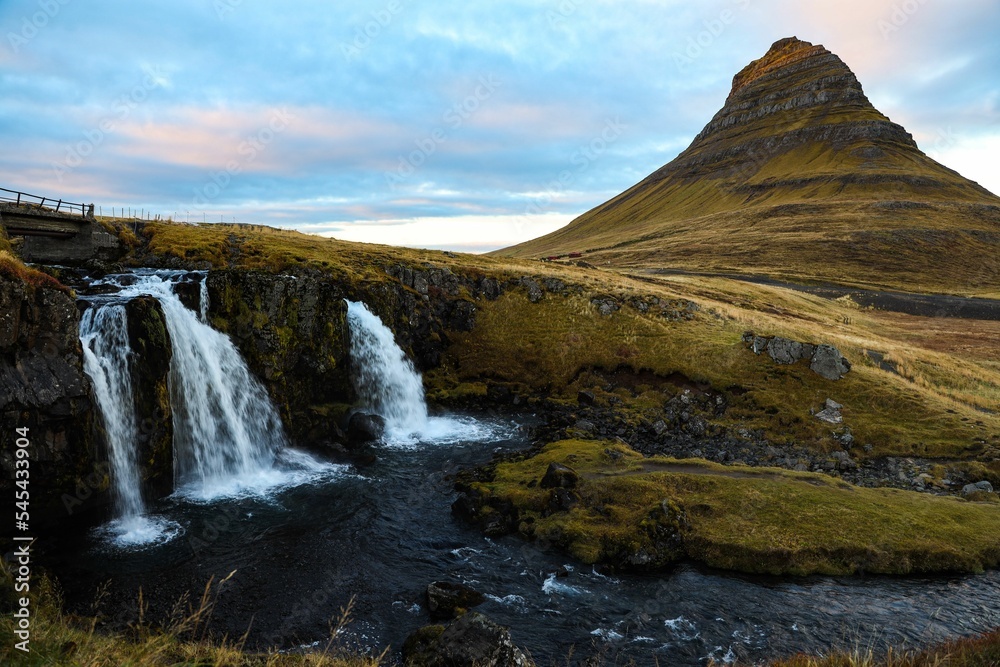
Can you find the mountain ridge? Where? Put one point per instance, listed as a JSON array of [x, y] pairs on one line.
[[798, 156]]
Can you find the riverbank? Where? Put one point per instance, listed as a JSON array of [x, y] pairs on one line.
[[59, 638], [979, 651], [605, 504]]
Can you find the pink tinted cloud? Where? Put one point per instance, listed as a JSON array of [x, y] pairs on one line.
[[264, 139], [550, 120]]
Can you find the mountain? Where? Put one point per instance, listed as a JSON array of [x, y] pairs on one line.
[[798, 176]]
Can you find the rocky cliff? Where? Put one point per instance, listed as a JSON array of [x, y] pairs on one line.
[[43, 388], [150, 343], [798, 174], [292, 329]]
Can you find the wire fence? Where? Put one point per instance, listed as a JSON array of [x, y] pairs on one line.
[[46, 203], [37, 202]]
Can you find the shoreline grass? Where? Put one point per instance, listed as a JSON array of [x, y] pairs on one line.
[[977, 651], [60, 639]]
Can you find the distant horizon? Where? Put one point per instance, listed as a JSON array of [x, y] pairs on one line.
[[418, 126]]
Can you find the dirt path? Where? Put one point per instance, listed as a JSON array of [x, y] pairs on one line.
[[922, 305]]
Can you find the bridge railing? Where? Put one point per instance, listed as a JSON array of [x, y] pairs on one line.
[[46, 203]]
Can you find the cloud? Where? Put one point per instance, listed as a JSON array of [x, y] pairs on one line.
[[211, 82], [467, 233]]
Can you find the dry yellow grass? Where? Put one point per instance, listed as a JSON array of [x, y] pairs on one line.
[[981, 651], [60, 639]]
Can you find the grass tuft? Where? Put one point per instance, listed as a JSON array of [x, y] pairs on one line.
[[60, 639]]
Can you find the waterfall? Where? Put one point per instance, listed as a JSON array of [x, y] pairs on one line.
[[228, 436], [385, 380], [203, 300], [388, 385], [226, 430], [106, 359]]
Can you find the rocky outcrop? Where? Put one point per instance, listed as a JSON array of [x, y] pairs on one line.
[[979, 487], [43, 388], [292, 329], [150, 343], [559, 476], [673, 310], [825, 360], [829, 362]]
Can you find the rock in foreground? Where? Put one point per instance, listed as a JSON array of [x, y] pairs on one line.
[[472, 640]]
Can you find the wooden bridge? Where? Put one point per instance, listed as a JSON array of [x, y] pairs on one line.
[[31, 215]]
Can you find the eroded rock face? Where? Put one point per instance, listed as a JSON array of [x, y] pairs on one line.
[[43, 388], [293, 331], [794, 80], [150, 342]]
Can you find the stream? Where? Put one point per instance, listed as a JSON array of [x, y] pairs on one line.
[[381, 533]]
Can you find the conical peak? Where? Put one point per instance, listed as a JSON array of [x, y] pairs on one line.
[[783, 54]]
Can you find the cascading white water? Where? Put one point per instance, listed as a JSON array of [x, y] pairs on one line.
[[226, 431], [388, 385], [203, 301], [228, 437], [107, 361], [385, 380]]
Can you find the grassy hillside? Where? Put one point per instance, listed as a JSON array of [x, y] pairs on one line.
[[798, 176], [945, 376]]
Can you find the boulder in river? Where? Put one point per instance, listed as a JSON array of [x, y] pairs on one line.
[[364, 428], [446, 599]]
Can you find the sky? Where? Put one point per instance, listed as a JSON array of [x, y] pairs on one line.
[[457, 125]]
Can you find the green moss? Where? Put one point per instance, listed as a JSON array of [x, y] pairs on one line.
[[755, 520], [455, 392]]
